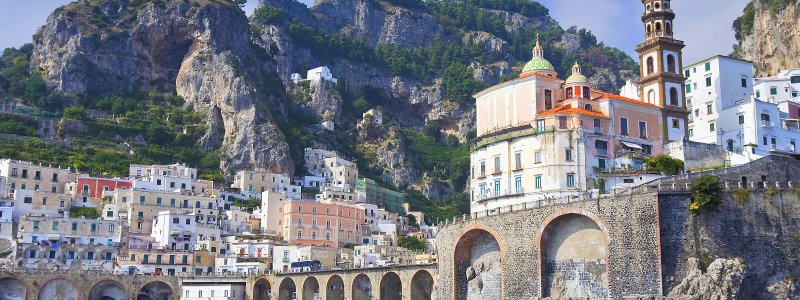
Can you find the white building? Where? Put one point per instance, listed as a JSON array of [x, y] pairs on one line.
[[215, 291], [727, 109], [272, 212], [176, 231], [310, 181], [295, 77], [175, 170], [320, 73]]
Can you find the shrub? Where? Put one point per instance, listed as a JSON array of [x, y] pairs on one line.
[[771, 192], [741, 194], [87, 212], [75, 112], [412, 243], [705, 192]]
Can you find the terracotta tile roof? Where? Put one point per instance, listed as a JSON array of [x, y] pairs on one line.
[[603, 95], [568, 110], [529, 74]]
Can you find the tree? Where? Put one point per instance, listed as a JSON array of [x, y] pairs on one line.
[[663, 163], [412, 243]]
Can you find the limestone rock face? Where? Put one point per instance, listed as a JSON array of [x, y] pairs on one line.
[[197, 48], [721, 280], [487, 41], [378, 22], [774, 43]]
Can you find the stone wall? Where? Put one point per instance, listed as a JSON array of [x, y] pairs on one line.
[[44, 284], [763, 231], [696, 155]]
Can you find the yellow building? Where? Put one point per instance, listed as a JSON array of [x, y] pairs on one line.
[[140, 207], [29, 176]]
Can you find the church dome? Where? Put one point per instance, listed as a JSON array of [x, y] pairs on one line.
[[538, 63]]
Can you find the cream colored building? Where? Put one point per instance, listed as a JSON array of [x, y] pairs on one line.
[[328, 164], [29, 176], [542, 137], [41, 203], [139, 208], [256, 182]]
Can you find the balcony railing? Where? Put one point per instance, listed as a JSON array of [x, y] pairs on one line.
[[490, 194], [765, 123]]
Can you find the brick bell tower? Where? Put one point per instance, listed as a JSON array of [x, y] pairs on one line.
[[660, 58]]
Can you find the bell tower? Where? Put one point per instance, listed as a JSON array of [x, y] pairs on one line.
[[660, 60]]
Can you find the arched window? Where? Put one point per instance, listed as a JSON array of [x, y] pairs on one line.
[[650, 66], [673, 97], [648, 29], [651, 97], [657, 5], [730, 145], [666, 4], [569, 93], [648, 7], [671, 63], [587, 106], [669, 28], [658, 27]]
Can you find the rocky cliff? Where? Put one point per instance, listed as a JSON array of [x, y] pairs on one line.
[[196, 49], [768, 35]]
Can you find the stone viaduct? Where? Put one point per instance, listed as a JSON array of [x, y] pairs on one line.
[[73, 285], [630, 243], [413, 282]]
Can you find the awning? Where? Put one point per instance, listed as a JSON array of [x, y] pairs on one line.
[[631, 145]]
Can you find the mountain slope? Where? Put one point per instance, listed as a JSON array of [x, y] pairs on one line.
[[768, 35]]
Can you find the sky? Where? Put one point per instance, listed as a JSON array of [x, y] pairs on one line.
[[614, 22]]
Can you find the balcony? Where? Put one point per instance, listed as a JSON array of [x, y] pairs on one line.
[[496, 171], [638, 155], [490, 194], [767, 124], [517, 167], [598, 130]]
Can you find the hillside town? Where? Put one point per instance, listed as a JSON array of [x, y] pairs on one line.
[[162, 219], [668, 186]]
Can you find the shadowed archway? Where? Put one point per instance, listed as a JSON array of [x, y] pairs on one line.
[[334, 290]]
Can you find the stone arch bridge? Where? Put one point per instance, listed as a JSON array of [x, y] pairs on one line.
[[74, 285], [411, 282]]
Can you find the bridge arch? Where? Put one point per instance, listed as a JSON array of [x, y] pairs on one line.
[[362, 287], [391, 287], [107, 290], [287, 290], [59, 288], [310, 288], [262, 289], [421, 285], [478, 263], [14, 288], [334, 290], [574, 241], [155, 290]]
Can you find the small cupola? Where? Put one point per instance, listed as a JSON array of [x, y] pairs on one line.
[[538, 64], [577, 85]]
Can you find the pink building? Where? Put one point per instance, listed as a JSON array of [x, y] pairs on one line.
[[94, 187], [324, 223]]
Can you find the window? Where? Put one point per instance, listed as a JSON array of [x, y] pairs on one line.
[[27, 200], [597, 127], [764, 140], [795, 79], [55, 226], [587, 107], [647, 149], [518, 184], [697, 112], [497, 187], [540, 125], [548, 99], [537, 157], [601, 147], [709, 109], [708, 66], [570, 180], [741, 119], [673, 97], [772, 91], [562, 122], [708, 81], [585, 95], [483, 169], [711, 127], [496, 165], [518, 161], [671, 63], [14, 172], [111, 228], [688, 88], [110, 214], [24, 173], [691, 132], [773, 140], [141, 200], [744, 82], [568, 154], [569, 93], [158, 201], [686, 73], [765, 117], [758, 94], [623, 126], [172, 202], [642, 129], [537, 181], [299, 234], [650, 66]]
